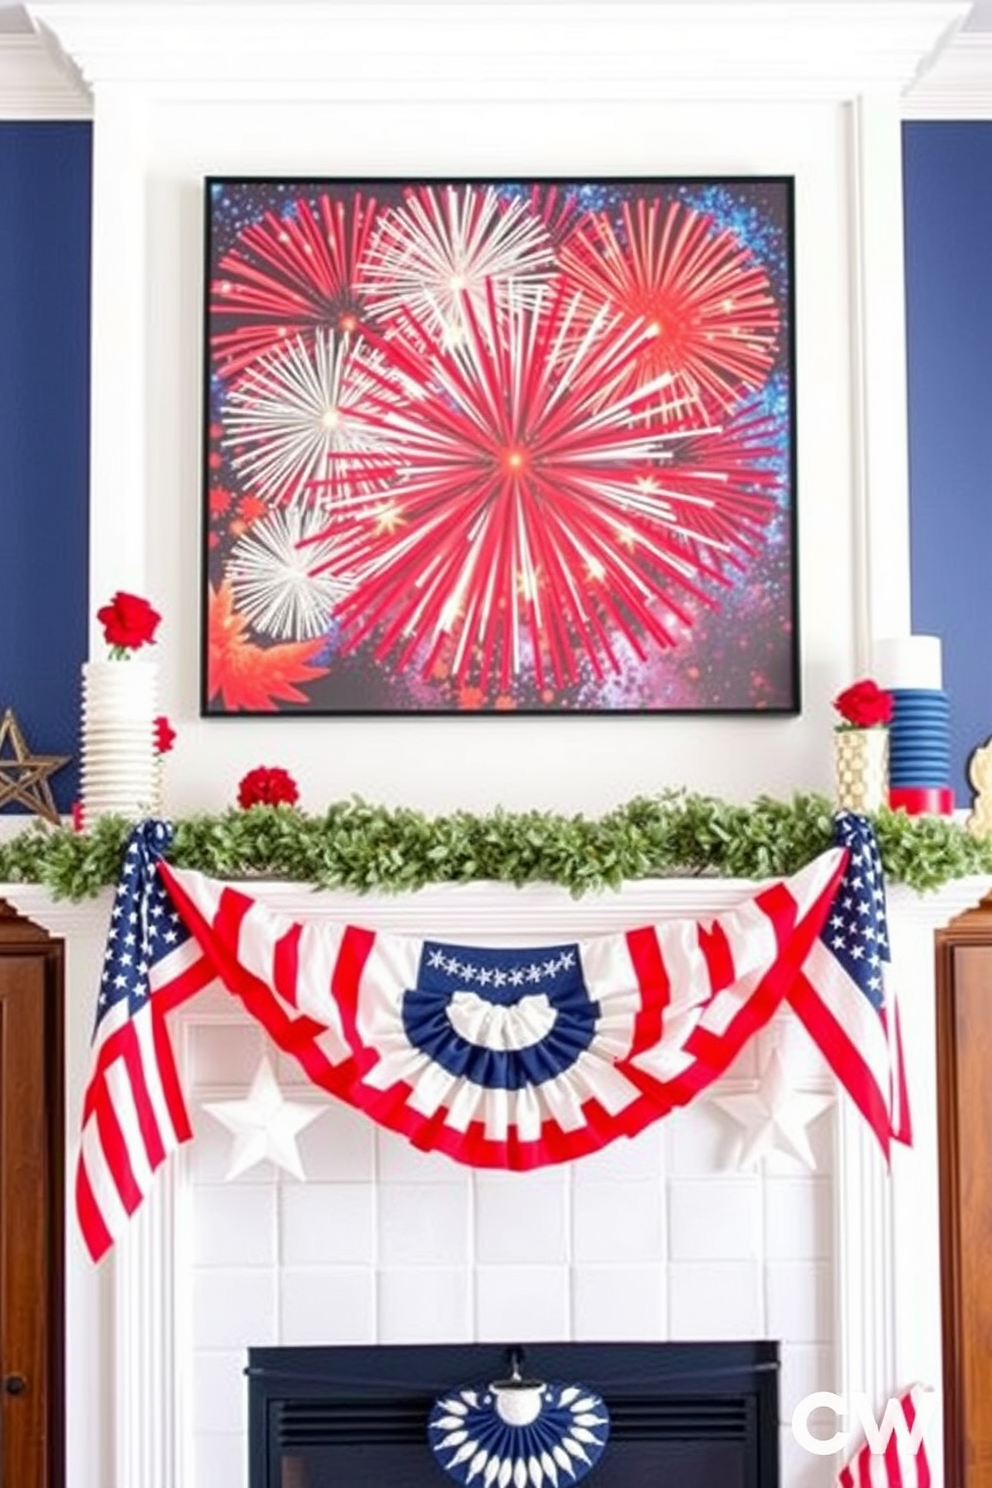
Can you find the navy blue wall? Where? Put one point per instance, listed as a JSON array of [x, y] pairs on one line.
[[948, 194], [44, 432]]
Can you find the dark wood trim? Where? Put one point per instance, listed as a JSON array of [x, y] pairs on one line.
[[950, 1210], [20, 938], [955, 948]]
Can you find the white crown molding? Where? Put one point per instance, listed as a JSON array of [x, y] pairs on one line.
[[959, 83], [35, 84], [504, 49]]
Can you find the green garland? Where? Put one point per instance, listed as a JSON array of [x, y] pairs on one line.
[[362, 847]]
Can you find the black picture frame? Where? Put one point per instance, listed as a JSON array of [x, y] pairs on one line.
[[476, 445]]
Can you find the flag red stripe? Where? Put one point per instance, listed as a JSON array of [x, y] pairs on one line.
[[115, 1151], [97, 1237], [169, 1077], [286, 963], [175, 990], [644, 949], [715, 947], [902, 1130], [134, 1060], [844, 1059], [346, 979]]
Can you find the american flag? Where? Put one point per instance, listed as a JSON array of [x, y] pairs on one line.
[[134, 1113], [899, 1462], [842, 996]]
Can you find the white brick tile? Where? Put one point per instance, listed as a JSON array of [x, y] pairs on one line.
[[425, 1305], [400, 1161], [327, 1304], [219, 1391], [715, 1218], [697, 1140], [423, 1225], [806, 1367], [234, 1224], [208, 1157], [339, 1146], [220, 1460], [716, 1299], [618, 1222], [802, 1469], [799, 1218], [803, 1058], [521, 1218], [326, 1224], [619, 1302], [233, 1308], [522, 1302], [800, 1301], [223, 1054], [642, 1156]]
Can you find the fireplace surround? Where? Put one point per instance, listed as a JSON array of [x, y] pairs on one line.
[[659, 1239], [703, 1415]]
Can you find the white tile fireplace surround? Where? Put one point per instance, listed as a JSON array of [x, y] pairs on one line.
[[658, 1238]]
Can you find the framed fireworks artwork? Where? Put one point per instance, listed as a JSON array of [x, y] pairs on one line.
[[478, 446]]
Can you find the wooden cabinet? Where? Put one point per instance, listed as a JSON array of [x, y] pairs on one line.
[[31, 1206], [964, 1055]]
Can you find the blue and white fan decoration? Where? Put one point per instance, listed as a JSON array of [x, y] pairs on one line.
[[518, 1433]]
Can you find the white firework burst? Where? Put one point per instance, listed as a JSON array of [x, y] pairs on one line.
[[444, 245], [273, 579], [304, 423]]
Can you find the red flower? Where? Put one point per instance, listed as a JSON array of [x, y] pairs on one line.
[[265, 786], [165, 734], [128, 622], [864, 705]]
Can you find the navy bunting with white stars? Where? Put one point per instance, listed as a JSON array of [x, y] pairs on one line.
[[563, 1015]]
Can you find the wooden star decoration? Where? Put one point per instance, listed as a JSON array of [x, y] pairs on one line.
[[23, 775]]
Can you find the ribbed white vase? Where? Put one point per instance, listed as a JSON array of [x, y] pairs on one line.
[[121, 774]]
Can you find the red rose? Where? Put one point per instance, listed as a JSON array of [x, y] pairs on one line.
[[864, 705], [165, 734], [128, 622], [267, 787]]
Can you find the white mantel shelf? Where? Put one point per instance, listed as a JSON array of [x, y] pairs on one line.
[[124, 1354]]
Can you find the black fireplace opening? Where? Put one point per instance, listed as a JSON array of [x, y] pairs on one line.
[[682, 1415]]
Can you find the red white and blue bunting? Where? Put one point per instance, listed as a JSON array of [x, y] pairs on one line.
[[499, 1056]]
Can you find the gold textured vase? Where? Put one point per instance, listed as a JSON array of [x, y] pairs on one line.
[[861, 769]]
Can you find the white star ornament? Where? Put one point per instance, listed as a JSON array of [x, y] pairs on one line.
[[774, 1117], [265, 1125]]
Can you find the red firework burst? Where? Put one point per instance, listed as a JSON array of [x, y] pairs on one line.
[[722, 487], [289, 274], [706, 305], [521, 535]]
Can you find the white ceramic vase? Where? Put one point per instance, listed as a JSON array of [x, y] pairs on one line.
[[121, 773]]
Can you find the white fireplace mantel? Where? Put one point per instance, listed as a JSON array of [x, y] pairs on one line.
[[126, 1353]]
